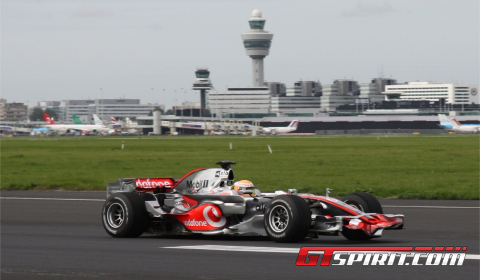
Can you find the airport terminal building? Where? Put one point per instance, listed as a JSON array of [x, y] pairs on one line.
[[452, 93]]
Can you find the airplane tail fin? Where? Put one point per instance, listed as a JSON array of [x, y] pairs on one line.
[[76, 119], [294, 123], [113, 120], [456, 124], [96, 119], [47, 119], [445, 122], [129, 122]]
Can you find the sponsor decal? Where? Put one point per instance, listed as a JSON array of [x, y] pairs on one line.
[[418, 256], [153, 183], [223, 173], [221, 221], [197, 184], [261, 207], [194, 223]]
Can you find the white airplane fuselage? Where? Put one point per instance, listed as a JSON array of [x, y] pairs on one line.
[[281, 130], [77, 127], [278, 130]]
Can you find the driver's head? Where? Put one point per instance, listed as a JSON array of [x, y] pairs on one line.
[[244, 185]]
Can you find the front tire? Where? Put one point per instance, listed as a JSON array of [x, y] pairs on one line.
[[124, 215], [364, 202], [287, 219]]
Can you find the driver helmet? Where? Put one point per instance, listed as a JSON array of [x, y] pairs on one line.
[[244, 185]]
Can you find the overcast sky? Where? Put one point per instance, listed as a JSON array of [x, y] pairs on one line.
[[55, 50]]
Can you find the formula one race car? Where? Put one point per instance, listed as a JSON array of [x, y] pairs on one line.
[[207, 201]]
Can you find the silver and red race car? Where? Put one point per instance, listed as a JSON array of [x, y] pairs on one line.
[[204, 202]]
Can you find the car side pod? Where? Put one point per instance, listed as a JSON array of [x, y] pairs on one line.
[[227, 208]]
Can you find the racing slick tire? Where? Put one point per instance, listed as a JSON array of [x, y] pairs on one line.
[[287, 219], [124, 215], [365, 202]]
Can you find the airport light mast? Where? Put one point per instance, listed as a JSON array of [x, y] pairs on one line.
[[257, 44], [203, 84]]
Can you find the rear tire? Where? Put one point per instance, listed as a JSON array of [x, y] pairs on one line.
[[287, 219], [364, 202], [124, 215]]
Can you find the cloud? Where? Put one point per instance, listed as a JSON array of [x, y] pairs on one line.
[[87, 10], [368, 8]]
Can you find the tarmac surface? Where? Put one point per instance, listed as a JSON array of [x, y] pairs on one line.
[[59, 235]]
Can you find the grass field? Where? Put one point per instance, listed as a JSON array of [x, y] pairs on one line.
[[427, 167]]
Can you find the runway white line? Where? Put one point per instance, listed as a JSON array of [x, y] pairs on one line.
[[386, 206], [48, 198], [275, 250]]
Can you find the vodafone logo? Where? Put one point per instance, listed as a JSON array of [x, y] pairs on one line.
[[194, 223], [210, 209], [152, 183]]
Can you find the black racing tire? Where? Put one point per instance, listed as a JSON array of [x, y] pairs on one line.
[[287, 219], [364, 202], [124, 215]]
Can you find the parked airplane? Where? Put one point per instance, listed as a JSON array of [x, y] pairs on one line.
[[97, 120], [455, 126], [6, 129], [131, 126], [67, 128], [76, 119], [40, 130], [280, 130], [130, 123]]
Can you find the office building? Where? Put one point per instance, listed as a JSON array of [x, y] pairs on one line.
[[106, 108], [247, 100], [295, 105], [451, 93], [13, 112], [305, 88], [373, 90], [276, 88]]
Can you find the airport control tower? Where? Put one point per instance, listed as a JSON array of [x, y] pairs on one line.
[[203, 84], [257, 43]]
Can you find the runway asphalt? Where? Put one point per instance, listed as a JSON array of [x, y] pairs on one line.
[[59, 235]]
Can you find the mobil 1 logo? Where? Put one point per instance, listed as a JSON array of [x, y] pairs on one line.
[[197, 184]]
